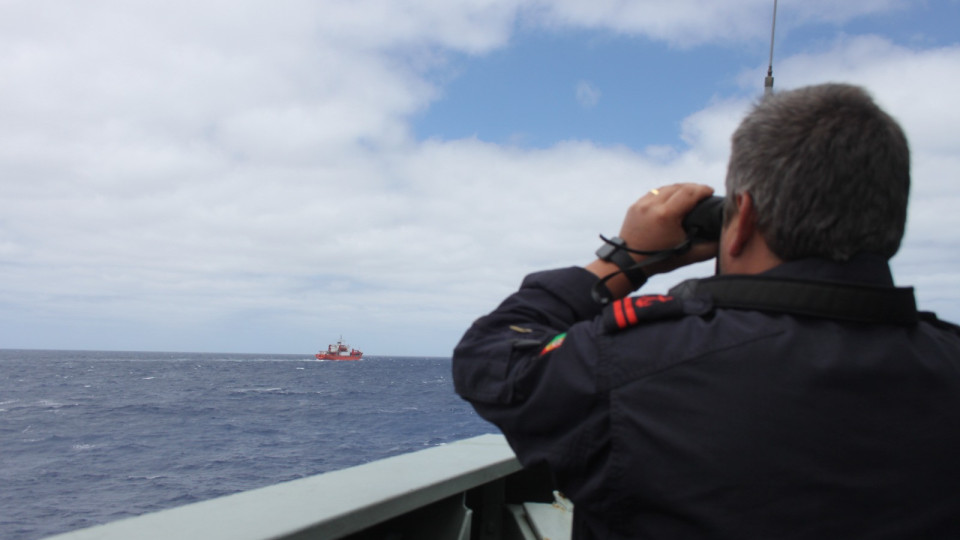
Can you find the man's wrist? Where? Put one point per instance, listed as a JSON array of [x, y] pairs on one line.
[[616, 283], [614, 251]]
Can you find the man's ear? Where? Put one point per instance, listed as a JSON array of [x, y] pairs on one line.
[[743, 225]]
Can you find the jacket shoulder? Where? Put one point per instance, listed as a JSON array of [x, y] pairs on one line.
[[932, 319], [633, 310]]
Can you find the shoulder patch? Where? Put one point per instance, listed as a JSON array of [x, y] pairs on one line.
[[554, 344], [631, 310]]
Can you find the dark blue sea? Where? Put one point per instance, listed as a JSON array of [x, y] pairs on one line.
[[92, 437]]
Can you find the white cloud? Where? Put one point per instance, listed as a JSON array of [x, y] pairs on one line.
[[224, 174], [588, 95], [687, 23]]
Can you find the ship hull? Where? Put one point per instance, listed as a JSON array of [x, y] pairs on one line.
[[337, 357]]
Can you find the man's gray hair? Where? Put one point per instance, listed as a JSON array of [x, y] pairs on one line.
[[828, 171]]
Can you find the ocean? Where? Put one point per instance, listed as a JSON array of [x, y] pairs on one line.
[[91, 437]]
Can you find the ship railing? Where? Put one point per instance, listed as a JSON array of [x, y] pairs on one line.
[[470, 489]]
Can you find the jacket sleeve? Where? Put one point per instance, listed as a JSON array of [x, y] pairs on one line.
[[545, 400]]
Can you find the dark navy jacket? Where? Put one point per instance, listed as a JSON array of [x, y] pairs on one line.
[[680, 419]]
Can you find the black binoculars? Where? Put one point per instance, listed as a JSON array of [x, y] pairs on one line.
[[705, 220]]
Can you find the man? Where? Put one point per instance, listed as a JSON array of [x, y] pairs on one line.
[[798, 394]]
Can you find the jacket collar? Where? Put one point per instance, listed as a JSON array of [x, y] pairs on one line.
[[864, 268]]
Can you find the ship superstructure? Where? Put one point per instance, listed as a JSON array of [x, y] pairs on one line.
[[339, 351]]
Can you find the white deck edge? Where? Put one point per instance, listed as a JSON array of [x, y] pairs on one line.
[[330, 505]]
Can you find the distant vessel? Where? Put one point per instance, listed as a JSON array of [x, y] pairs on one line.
[[339, 351]]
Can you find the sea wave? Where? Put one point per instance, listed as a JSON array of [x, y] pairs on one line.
[[90, 437]]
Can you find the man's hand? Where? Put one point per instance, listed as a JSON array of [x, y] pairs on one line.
[[655, 222]]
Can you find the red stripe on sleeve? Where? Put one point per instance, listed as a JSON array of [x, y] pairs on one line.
[[618, 313], [631, 312]]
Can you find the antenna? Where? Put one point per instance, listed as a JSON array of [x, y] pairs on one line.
[[768, 81]]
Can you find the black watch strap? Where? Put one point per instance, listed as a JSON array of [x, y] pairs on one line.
[[613, 251]]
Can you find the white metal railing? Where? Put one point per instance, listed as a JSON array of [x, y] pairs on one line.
[[335, 504]]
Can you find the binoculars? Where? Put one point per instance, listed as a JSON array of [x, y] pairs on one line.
[[705, 220]]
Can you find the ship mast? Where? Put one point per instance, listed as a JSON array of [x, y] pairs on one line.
[[768, 81]]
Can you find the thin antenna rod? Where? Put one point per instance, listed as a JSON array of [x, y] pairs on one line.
[[768, 82]]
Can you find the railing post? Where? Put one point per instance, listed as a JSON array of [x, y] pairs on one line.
[[493, 500]]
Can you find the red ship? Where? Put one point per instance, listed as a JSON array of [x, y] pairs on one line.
[[339, 351]]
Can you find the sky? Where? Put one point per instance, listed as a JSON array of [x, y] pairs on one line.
[[264, 177]]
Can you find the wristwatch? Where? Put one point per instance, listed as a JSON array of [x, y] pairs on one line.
[[615, 251]]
